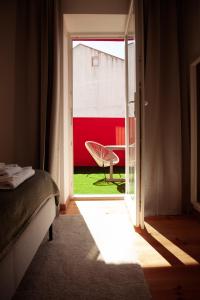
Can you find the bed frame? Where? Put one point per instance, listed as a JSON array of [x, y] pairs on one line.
[[14, 265]]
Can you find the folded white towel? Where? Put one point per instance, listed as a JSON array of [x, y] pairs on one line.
[[9, 170], [14, 181]]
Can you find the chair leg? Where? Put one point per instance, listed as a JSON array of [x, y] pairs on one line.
[[111, 175], [51, 232], [104, 173], [111, 171]]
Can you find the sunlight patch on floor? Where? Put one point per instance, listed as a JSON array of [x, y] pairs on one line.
[[185, 258], [112, 230]]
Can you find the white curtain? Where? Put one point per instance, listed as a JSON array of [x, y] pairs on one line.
[[161, 137], [39, 106], [52, 102]]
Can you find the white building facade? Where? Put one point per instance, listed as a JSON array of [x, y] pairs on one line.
[[98, 84]]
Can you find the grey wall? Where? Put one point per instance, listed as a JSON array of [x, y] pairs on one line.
[[7, 79]]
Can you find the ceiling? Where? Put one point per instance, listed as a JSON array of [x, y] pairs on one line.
[[95, 24]]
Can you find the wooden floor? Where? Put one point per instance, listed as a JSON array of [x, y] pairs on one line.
[[169, 252]]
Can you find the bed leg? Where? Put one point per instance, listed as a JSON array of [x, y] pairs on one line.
[[51, 232]]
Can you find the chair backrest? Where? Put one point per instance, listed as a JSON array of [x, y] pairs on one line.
[[103, 156]]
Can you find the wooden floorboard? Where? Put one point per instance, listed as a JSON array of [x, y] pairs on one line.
[[176, 240], [182, 279], [72, 208]]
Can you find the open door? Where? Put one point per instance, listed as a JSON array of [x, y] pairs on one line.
[[133, 117], [130, 71]]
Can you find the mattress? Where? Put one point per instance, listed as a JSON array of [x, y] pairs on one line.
[[19, 206]]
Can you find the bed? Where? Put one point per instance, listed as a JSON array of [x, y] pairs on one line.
[[26, 214]]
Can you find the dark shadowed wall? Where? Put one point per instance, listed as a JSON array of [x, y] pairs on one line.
[[7, 79], [19, 88], [189, 48], [95, 7]]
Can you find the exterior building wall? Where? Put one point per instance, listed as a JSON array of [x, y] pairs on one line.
[[99, 84], [106, 131]]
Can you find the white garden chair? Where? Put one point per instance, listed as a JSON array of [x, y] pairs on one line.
[[103, 157]]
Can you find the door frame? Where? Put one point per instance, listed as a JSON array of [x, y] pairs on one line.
[[68, 94], [67, 113], [194, 134], [69, 107], [136, 7], [130, 199], [140, 96]]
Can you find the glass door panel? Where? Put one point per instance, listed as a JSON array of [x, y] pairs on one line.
[[130, 119]]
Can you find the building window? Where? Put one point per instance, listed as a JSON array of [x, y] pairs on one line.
[[95, 61]]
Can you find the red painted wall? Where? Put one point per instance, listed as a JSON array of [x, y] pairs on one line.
[[106, 131]]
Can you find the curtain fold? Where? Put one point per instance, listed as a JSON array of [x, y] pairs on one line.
[[39, 103], [50, 87], [161, 143]]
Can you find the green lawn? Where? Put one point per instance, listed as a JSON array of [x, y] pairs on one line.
[[91, 180]]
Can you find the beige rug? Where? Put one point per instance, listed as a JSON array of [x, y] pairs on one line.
[[71, 267]]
